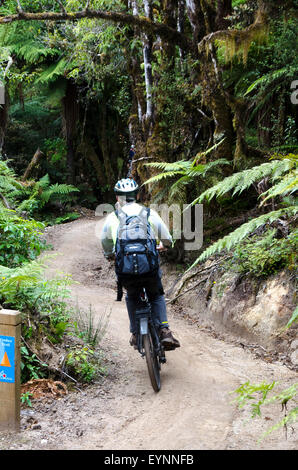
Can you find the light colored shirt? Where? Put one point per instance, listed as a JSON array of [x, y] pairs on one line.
[[109, 231]]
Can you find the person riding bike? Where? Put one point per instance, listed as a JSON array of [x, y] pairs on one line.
[[126, 191]]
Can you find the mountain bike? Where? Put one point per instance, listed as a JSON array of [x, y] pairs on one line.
[[148, 342]]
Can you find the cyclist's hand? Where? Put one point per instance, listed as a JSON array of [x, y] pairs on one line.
[[161, 248]]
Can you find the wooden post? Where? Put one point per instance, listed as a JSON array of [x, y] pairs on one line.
[[10, 370]]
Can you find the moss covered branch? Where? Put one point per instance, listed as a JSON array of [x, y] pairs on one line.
[[144, 23]]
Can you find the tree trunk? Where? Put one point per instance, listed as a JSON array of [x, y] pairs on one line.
[[33, 164], [110, 177], [70, 120], [147, 54], [215, 100], [224, 8], [87, 150], [3, 119]]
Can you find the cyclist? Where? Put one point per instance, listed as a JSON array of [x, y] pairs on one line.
[[126, 191]]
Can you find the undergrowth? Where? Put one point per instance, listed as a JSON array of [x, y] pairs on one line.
[[256, 397], [47, 315]]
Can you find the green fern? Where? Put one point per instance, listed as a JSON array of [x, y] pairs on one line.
[[28, 281], [232, 239], [9, 185], [25, 42], [271, 79], [57, 191], [54, 71], [186, 170], [242, 180], [287, 185], [43, 193]]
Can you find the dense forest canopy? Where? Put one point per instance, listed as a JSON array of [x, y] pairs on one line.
[[87, 79]]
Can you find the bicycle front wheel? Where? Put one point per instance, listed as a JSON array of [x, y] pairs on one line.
[[152, 362]]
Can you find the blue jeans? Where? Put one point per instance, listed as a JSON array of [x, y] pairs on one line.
[[158, 308], [155, 294]]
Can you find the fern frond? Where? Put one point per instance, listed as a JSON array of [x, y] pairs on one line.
[[25, 42], [8, 181], [160, 176], [57, 190], [232, 239], [242, 180], [202, 169], [54, 71], [270, 79], [189, 168], [26, 276], [177, 190], [172, 166], [44, 181], [287, 185]]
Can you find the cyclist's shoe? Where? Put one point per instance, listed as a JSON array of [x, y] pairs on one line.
[[167, 339], [133, 341]]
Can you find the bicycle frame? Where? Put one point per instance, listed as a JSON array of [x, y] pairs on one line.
[[145, 325]]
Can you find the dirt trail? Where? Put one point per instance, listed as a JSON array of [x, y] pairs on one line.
[[193, 409]]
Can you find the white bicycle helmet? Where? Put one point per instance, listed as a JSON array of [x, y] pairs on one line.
[[126, 186]]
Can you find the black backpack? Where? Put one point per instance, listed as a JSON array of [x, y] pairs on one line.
[[136, 252]]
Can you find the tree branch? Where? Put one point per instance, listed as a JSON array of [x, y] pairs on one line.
[[237, 34], [145, 24]]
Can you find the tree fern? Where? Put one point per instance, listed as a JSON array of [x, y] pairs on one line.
[[287, 185], [242, 180], [54, 71], [25, 42], [186, 170], [271, 79], [232, 239]]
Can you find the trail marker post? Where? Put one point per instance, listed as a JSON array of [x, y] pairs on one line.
[[10, 370]]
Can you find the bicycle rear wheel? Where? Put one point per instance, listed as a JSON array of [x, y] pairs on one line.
[[152, 362]]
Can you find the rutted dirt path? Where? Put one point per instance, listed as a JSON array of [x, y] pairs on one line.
[[193, 409]]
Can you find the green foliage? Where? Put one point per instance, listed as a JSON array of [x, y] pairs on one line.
[[31, 368], [43, 194], [20, 239], [84, 363], [240, 181], [293, 319], [89, 328], [256, 395], [264, 255], [34, 198], [187, 171], [282, 173], [25, 399], [43, 305], [234, 238], [8, 181]]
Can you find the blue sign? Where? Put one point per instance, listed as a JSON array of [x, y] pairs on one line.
[[7, 359]]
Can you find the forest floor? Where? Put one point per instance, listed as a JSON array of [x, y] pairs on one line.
[[193, 410]]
